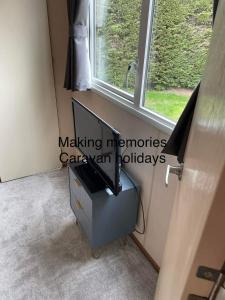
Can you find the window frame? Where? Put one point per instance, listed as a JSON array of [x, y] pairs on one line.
[[132, 103]]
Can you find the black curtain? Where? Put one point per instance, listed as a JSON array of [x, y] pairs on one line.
[[177, 142], [78, 74]]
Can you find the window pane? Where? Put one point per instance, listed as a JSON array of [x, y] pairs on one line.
[[178, 51], [116, 42]]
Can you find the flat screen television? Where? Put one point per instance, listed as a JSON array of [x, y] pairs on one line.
[[99, 142]]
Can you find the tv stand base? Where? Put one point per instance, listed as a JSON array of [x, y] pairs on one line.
[[103, 216]]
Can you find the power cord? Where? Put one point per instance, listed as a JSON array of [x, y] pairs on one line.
[[140, 201], [124, 151]]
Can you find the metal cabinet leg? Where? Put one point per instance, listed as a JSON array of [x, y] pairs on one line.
[[95, 253], [124, 241]]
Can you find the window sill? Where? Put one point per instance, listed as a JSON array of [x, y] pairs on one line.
[[161, 123]]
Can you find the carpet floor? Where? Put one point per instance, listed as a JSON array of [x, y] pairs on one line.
[[45, 255]]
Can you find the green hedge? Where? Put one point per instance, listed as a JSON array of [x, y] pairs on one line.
[[181, 31], [181, 39], [120, 34]]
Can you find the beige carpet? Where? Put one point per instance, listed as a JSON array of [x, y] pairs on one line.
[[44, 254]]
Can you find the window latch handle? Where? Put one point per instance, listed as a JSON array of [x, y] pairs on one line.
[[176, 170]]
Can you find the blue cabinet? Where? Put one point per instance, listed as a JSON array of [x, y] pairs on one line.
[[103, 216]]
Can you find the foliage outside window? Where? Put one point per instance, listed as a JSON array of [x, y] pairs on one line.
[[178, 45], [117, 34]]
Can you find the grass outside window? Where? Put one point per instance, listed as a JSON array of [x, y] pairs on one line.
[[166, 103]]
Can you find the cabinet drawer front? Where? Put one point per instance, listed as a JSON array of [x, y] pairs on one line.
[[80, 215], [80, 193]]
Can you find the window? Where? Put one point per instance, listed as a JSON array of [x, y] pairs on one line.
[[179, 42], [151, 52], [117, 24]]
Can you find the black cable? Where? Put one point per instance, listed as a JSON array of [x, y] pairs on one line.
[[140, 201], [124, 151]]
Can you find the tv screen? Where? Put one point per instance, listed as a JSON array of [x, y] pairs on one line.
[[98, 141]]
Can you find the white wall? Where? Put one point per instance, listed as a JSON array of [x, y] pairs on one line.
[[156, 197], [28, 115]]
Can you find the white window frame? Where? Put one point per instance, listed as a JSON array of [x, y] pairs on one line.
[[132, 103]]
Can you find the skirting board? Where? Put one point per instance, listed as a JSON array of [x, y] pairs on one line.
[[146, 254]]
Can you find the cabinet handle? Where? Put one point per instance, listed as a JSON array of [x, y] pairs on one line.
[[78, 204], [77, 182]]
